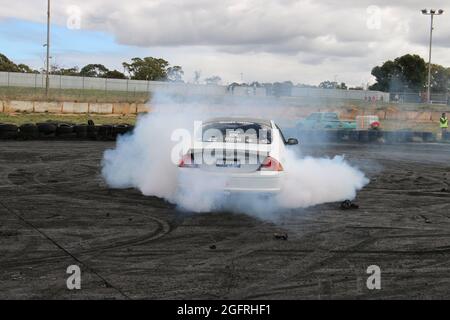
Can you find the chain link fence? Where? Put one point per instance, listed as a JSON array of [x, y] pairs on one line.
[[442, 98]]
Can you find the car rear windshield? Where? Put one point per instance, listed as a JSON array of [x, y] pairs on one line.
[[237, 132]]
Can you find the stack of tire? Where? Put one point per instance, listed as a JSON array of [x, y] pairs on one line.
[[47, 129], [446, 136], [65, 131], [8, 131], [52, 130], [28, 131], [111, 132]]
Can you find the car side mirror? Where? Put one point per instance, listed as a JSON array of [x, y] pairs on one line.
[[292, 142]]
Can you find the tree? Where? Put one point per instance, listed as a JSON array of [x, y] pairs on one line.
[[214, 80], [303, 85], [175, 74], [384, 75], [114, 74], [94, 71], [413, 71], [439, 78], [25, 69], [7, 65], [329, 85], [149, 68], [408, 72], [100, 71], [356, 88], [56, 70], [342, 86]]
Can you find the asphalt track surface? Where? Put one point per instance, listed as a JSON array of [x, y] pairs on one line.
[[55, 211]]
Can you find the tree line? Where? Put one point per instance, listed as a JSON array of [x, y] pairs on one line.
[[408, 73], [149, 68]]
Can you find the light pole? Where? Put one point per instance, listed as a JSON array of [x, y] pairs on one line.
[[47, 79], [431, 13]]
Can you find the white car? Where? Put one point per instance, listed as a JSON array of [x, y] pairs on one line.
[[236, 155]]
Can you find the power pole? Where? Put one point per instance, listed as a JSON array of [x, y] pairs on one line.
[[47, 79]]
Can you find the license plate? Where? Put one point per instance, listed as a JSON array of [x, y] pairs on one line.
[[228, 164]]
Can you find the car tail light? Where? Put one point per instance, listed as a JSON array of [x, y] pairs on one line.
[[187, 161], [270, 164]]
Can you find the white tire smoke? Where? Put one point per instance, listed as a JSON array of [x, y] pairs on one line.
[[144, 161]]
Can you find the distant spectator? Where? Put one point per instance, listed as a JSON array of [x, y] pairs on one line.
[[443, 123]]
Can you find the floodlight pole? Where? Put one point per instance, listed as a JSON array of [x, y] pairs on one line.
[[47, 79], [431, 13], [429, 59]]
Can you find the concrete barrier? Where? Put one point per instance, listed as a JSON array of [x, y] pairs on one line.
[[102, 108], [435, 116], [50, 107], [423, 116], [75, 107], [396, 115], [381, 114], [141, 108], [19, 106], [124, 108], [70, 107]]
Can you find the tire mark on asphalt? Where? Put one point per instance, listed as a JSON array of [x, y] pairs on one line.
[[18, 216]]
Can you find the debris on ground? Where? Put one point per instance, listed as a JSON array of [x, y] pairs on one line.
[[280, 236], [213, 247], [426, 219], [348, 205]]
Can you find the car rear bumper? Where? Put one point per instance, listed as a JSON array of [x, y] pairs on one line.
[[260, 182]]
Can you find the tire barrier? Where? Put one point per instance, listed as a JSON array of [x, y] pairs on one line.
[[65, 131], [81, 131], [92, 131], [375, 135], [403, 136], [46, 129], [354, 136], [446, 136], [429, 137], [363, 136], [28, 131], [121, 129], [368, 136], [8, 131], [105, 132], [52, 130]]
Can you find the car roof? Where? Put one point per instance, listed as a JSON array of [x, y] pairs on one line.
[[240, 119]]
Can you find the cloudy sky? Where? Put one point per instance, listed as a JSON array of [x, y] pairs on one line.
[[258, 40]]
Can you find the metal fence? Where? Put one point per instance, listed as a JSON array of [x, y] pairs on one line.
[[419, 97], [81, 86]]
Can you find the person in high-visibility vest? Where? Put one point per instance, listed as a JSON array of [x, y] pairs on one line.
[[443, 121]]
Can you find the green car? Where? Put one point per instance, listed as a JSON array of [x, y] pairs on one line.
[[325, 120]]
